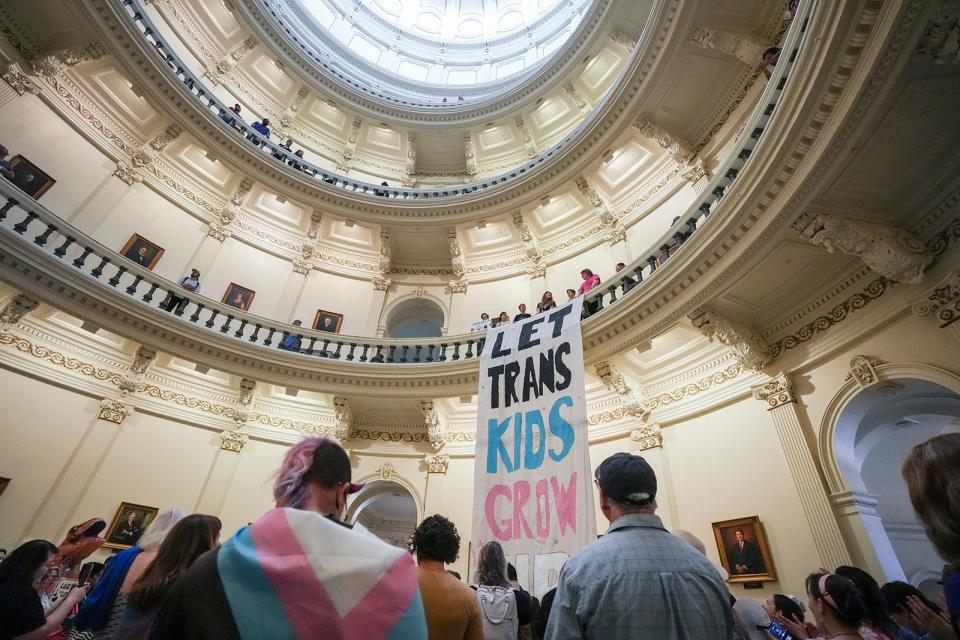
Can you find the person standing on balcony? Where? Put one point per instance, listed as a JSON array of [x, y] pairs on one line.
[[590, 280], [523, 315], [263, 128], [546, 302], [176, 303], [6, 169]]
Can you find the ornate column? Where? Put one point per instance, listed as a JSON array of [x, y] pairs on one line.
[[648, 441], [225, 65], [15, 308], [744, 48], [890, 251], [615, 231], [410, 166], [470, 155], [301, 268], [528, 145], [350, 147], [55, 513], [437, 464], [536, 269], [860, 522], [90, 215], [291, 113], [748, 346], [226, 458], [781, 403], [577, 97]]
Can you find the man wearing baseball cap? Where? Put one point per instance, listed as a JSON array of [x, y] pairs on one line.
[[638, 580], [298, 571]]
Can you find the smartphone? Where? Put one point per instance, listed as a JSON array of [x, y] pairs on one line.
[[778, 631]]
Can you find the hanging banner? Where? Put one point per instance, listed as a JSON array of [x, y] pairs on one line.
[[533, 492]]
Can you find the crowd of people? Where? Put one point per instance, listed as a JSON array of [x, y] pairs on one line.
[[299, 571], [590, 280]]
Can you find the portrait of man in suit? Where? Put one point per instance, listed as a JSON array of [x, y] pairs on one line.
[[744, 556]]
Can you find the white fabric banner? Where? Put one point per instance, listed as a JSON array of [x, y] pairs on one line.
[[532, 487]]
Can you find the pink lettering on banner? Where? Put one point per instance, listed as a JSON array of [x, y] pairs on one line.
[[517, 526], [500, 529], [566, 501]]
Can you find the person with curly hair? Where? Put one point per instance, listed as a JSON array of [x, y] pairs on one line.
[[451, 608]]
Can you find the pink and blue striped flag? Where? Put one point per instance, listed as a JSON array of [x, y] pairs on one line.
[[295, 574]]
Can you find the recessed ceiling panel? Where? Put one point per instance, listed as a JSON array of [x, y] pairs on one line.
[[121, 94]]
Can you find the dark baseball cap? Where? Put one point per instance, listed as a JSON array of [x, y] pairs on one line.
[[331, 466], [627, 479]]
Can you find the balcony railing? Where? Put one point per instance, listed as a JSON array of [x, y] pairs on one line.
[[24, 218], [642, 269], [276, 153]]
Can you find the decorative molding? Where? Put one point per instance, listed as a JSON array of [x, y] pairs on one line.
[[744, 48], [303, 267], [941, 37], [943, 302], [148, 153], [380, 284], [56, 62], [679, 150], [343, 419], [16, 308], [470, 154], [436, 429], [387, 471], [114, 411], [402, 436], [649, 436], [14, 76], [386, 252], [577, 97], [244, 403], [132, 381], [776, 393], [748, 346], [890, 251], [836, 315], [127, 173], [459, 286], [863, 370], [457, 261], [23, 345], [612, 378], [232, 441], [619, 37], [437, 462]]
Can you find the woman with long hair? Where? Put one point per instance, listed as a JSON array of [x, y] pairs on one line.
[[878, 620], [101, 612], [21, 612], [934, 486], [914, 612], [188, 540], [546, 302], [505, 611]]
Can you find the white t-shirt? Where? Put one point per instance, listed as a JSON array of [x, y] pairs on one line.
[[753, 615]]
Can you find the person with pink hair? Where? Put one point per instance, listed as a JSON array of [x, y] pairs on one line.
[[299, 571]]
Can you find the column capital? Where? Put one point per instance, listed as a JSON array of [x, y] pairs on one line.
[[647, 437], [127, 173], [232, 441], [748, 346], [459, 286], [776, 392], [943, 303], [114, 411], [437, 462], [303, 267]]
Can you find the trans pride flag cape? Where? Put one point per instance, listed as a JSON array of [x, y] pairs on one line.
[[298, 575]]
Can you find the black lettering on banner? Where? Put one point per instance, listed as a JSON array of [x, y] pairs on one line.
[[494, 374], [530, 380], [562, 368], [512, 371], [497, 345], [526, 331], [557, 318], [546, 372]]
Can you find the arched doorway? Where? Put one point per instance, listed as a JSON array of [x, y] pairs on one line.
[[414, 318], [387, 509], [874, 430]]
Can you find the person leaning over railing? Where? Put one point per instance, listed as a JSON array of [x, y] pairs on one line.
[[191, 284]]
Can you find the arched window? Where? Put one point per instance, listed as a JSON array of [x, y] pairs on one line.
[[415, 318]]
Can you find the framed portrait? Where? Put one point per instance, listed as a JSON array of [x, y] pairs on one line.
[[142, 251], [129, 523], [29, 178], [744, 551], [327, 321], [239, 297]]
